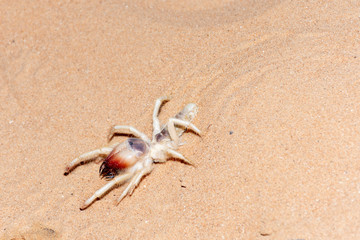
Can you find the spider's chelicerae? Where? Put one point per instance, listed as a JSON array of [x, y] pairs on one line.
[[134, 158]]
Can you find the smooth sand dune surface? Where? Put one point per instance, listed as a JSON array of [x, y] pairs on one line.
[[278, 89]]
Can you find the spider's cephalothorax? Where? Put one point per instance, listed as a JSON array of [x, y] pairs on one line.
[[134, 158]]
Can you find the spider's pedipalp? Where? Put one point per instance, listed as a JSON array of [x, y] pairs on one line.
[[86, 157]]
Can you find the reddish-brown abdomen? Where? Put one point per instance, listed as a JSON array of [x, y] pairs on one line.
[[123, 156]]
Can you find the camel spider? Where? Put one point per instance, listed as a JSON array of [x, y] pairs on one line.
[[134, 158]]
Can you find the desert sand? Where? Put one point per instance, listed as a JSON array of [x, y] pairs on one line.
[[278, 89]]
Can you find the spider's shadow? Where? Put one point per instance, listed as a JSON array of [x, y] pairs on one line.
[[118, 135]]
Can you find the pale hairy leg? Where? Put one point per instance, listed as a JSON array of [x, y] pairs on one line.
[[134, 182], [178, 155], [185, 124], [156, 122], [99, 193], [127, 130]]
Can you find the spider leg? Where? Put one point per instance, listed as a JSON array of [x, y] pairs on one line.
[[87, 157], [127, 130], [185, 124], [178, 155], [156, 122], [99, 193], [133, 183]]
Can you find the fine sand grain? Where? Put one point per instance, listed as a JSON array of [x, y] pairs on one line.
[[278, 89]]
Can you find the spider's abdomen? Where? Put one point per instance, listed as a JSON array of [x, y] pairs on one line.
[[123, 156]]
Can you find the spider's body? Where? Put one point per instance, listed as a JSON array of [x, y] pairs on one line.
[[123, 156], [133, 159]]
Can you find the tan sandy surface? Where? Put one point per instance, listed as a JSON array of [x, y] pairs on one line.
[[282, 76]]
